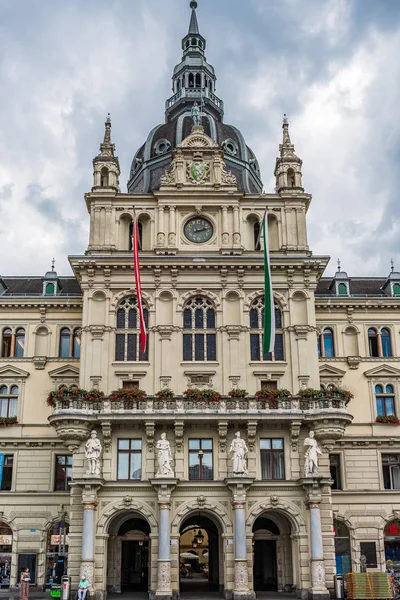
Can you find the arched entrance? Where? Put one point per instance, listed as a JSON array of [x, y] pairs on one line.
[[272, 553], [342, 548], [128, 560], [6, 540], [57, 552], [199, 555], [391, 536]]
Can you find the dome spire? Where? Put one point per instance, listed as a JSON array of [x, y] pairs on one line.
[[106, 164], [193, 26]]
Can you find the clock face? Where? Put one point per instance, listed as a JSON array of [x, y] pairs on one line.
[[198, 230]]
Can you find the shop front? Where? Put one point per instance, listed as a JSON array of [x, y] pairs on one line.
[[57, 553], [6, 540], [391, 535]]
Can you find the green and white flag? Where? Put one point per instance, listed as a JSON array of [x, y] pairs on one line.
[[269, 309]]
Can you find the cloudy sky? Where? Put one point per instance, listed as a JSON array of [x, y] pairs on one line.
[[331, 65]]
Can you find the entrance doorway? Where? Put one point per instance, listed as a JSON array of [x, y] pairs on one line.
[[199, 555], [128, 566], [272, 545]]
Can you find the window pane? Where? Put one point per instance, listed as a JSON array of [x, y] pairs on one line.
[[60, 460], [254, 346], [20, 345], [123, 444], [277, 444], [319, 345], [278, 465], [194, 444], [278, 349], [389, 389], [14, 390], [266, 464], [206, 467], [278, 318], [265, 444], [386, 350], [389, 406], [3, 407], [123, 464], [77, 346], [119, 346], [3, 389], [206, 444], [120, 318], [131, 353], [64, 344], [136, 444], [254, 318], [187, 346], [132, 319], [373, 344], [199, 318], [328, 343], [211, 346], [13, 407], [136, 465], [378, 389], [194, 466], [210, 319], [144, 356], [199, 346], [380, 407], [187, 318]]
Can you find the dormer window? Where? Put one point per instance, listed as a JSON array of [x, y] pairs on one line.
[[104, 177], [396, 289], [49, 289], [342, 289]]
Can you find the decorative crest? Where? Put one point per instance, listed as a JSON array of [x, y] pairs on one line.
[[338, 265]]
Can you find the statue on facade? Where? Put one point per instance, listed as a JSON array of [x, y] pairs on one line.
[[239, 453], [311, 455], [164, 457], [92, 453], [196, 116]]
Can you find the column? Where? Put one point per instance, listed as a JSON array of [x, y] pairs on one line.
[[164, 488], [318, 588], [172, 227], [236, 226], [87, 561], [225, 230], [161, 233], [239, 486]]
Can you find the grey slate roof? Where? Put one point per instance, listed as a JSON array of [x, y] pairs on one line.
[[33, 286], [359, 286]]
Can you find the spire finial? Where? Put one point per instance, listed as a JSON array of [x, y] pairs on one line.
[[108, 120], [285, 119], [338, 264], [193, 4], [392, 265], [193, 26], [53, 262], [107, 132]]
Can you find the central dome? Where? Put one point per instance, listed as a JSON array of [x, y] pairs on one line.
[[193, 81]]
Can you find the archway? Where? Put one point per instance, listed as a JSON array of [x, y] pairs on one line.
[[272, 553], [6, 541], [342, 548], [128, 555], [199, 555], [57, 552]]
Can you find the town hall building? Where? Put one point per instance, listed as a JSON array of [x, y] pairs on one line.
[[201, 461]]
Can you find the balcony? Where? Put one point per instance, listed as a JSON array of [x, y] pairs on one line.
[[195, 94]]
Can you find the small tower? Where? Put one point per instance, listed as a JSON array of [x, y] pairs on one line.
[[288, 165], [340, 285], [106, 169], [51, 285], [391, 287]]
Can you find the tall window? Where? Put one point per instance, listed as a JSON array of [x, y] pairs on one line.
[[13, 344], [257, 237], [140, 230], [129, 459], [342, 548], [8, 400], [379, 342], [334, 463], [63, 475], [384, 400], [391, 471], [199, 335], [325, 344], [70, 343], [127, 342], [200, 459], [272, 459], [257, 333], [7, 473]]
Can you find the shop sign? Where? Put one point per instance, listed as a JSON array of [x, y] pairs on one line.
[[393, 529], [56, 540], [5, 540]]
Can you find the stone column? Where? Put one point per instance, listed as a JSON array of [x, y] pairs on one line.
[[161, 232], [89, 501], [172, 227], [239, 486], [236, 226], [164, 489], [225, 229], [318, 589]]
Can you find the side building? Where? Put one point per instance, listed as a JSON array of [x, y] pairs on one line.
[[130, 525]]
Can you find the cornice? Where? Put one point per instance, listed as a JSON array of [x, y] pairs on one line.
[[34, 303]]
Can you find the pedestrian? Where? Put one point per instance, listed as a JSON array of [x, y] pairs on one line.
[[83, 588], [24, 584]]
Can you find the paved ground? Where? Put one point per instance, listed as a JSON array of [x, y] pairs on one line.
[[195, 592]]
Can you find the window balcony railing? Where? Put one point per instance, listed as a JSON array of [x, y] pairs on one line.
[[183, 406], [197, 94]]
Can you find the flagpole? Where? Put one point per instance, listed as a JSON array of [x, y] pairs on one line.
[[136, 268], [259, 233]]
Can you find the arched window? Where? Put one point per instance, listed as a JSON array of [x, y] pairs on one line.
[[379, 342], [291, 178], [326, 346], [191, 80], [104, 178], [70, 343], [193, 42], [8, 401], [373, 342], [342, 548], [342, 289], [257, 333], [198, 80], [384, 401], [49, 289], [13, 344], [199, 335], [385, 339], [127, 343], [396, 289], [257, 237]]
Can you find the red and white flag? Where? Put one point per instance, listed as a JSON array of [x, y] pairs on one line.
[[136, 268]]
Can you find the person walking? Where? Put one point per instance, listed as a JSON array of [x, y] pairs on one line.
[[24, 584]]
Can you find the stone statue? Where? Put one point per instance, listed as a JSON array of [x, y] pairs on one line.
[[92, 453], [164, 457], [311, 455], [239, 453], [195, 112]]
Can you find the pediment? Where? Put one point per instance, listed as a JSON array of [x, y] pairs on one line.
[[65, 371], [383, 371], [198, 139], [329, 371], [13, 371]]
